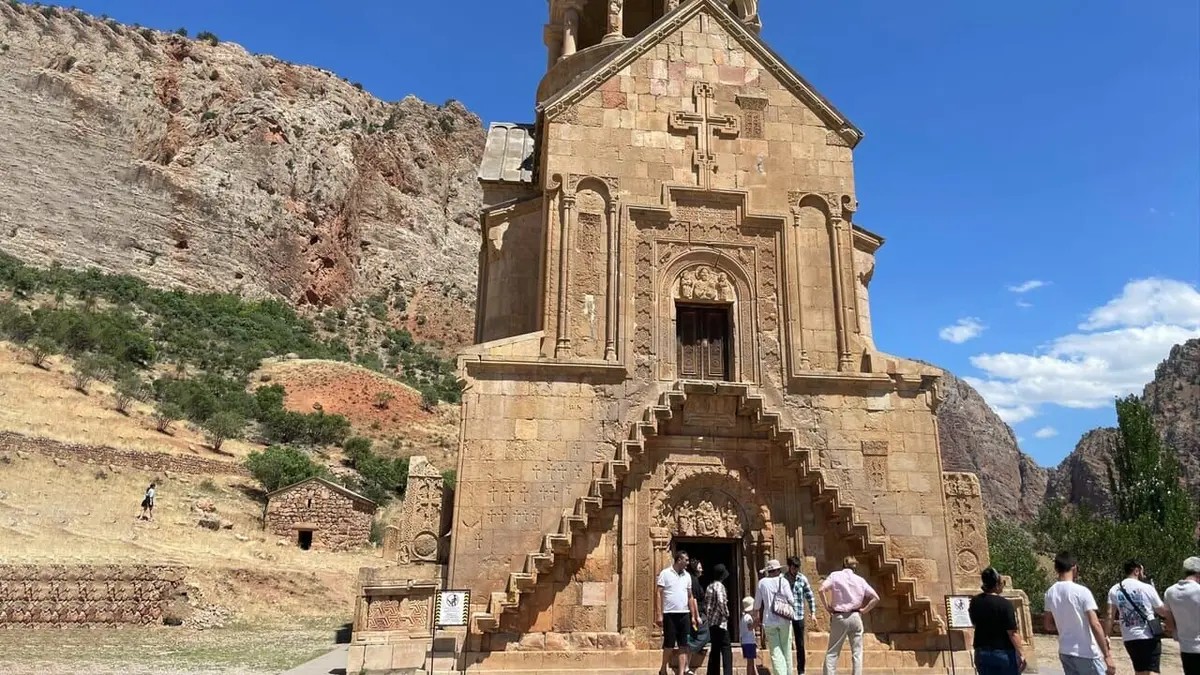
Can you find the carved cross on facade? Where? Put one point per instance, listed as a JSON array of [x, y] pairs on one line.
[[705, 123]]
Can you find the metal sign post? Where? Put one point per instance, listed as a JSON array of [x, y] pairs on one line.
[[958, 617], [451, 609]]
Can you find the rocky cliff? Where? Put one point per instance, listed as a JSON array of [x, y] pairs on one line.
[[972, 437], [195, 164], [1173, 398]]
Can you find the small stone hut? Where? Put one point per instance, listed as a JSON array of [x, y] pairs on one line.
[[319, 514]]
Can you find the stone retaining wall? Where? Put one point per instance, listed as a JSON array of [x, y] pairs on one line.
[[46, 596], [133, 459]]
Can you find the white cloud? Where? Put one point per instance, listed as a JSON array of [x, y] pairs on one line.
[[1025, 287], [1149, 301], [1024, 305], [1045, 432], [965, 329], [1113, 353]]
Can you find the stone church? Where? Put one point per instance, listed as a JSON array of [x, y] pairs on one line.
[[675, 351]]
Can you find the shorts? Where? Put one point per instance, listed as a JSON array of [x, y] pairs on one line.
[[1081, 665], [676, 628], [1145, 654], [146, 503], [749, 651], [699, 640]]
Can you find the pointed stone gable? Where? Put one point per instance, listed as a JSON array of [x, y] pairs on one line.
[[755, 60]]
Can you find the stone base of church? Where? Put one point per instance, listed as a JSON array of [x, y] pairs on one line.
[[639, 662]]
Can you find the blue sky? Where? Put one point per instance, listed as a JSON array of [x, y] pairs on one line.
[[1007, 143]]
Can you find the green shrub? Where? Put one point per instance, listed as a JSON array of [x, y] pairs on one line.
[[166, 414], [356, 448], [181, 31], [222, 427], [129, 388], [1012, 554], [380, 478], [449, 478], [40, 350], [210, 38], [280, 466]]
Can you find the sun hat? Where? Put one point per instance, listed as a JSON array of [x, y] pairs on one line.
[[772, 565], [1192, 565], [747, 603]]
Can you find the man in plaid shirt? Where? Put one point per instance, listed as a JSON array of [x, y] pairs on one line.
[[802, 592]]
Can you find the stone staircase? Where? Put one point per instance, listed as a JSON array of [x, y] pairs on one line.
[[556, 545]]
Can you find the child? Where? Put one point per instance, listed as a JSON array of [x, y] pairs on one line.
[[749, 639]]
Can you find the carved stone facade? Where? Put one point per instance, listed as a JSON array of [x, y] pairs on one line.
[[678, 354]]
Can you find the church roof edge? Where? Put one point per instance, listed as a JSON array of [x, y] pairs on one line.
[[508, 153], [605, 69]]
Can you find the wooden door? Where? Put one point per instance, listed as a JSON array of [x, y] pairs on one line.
[[703, 342]]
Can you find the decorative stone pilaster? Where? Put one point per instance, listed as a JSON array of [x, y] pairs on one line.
[[562, 345], [614, 250]]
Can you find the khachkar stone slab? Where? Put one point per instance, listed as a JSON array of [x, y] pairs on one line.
[[968, 529], [417, 538], [75, 595]]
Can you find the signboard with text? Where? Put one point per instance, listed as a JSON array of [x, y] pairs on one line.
[[958, 611], [452, 608]]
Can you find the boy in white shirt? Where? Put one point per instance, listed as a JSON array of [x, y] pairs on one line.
[[1135, 603], [749, 639]]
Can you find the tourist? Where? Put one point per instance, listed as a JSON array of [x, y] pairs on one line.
[[675, 609], [773, 610], [1136, 603], [1071, 610], [715, 615], [847, 597], [148, 504], [1183, 615], [749, 637], [699, 636], [997, 642], [802, 592]]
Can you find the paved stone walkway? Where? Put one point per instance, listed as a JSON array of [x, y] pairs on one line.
[[333, 663]]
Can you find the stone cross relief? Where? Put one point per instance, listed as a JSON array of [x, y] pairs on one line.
[[706, 123]]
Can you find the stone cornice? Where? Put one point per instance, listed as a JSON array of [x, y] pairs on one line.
[[605, 370], [664, 27], [739, 198]]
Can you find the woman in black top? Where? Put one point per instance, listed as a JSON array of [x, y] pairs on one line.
[[997, 644]]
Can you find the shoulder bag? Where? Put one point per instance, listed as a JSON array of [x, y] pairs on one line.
[[1155, 624], [780, 604]]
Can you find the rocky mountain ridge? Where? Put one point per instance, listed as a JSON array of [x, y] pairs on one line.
[[974, 438], [194, 163]]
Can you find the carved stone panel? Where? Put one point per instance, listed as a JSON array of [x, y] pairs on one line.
[[417, 538], [704, 283], [754, 113], [588, 285], [967, 527], [398, 613]]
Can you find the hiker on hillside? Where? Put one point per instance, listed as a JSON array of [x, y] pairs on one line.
[[148, 504], [1135, 604]]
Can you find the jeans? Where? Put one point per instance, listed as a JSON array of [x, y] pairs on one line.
[[996, 662], [1081, 665], [779, 642], [798, 635], [720, 656], [841, 626]]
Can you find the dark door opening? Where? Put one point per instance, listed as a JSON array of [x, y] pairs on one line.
[[727, 552], [702, 333], [304, 539]]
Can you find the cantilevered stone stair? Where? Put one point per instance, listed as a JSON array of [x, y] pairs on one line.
[[557, 545]]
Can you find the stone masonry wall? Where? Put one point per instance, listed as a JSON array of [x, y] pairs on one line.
[[134, 459], [60, 595], [338, 522]]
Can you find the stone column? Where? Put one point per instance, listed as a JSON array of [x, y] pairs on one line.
[[836, 227], [610, 336], [616, 21], [570, 39], [553, 37], [562, 346]]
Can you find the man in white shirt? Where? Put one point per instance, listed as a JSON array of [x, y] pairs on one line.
[[1071, 611], [676, 612], [1183, 615], [1136, 602]]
